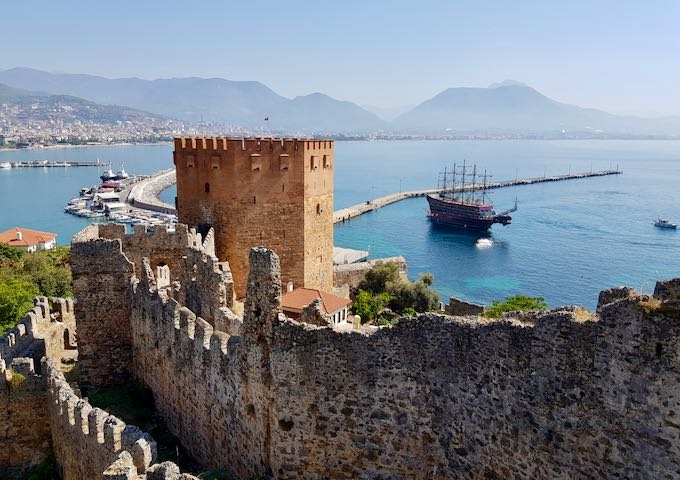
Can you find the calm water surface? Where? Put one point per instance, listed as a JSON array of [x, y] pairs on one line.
[[567, 241]]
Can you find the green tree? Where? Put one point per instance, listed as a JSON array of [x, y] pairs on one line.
[[16, 300], [379, 276], [45, 270], [367, 305], [419, 296], [427, 279], [10, 253], [517, 303]]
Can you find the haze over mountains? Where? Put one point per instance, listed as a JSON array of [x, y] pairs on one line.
[[505, 108], [42, 106]]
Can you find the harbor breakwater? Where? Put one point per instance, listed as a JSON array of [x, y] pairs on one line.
[[348, 213], [146, 194]]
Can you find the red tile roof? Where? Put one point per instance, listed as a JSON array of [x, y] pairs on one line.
[[28, 237], [301, 297]]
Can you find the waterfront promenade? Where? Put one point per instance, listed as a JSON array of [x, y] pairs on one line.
[[145, 194]]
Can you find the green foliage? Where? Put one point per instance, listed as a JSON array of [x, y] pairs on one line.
[[383, 286], [132, 402], [518, 303], [427, 279], [367, 305], [418, 296], [379, 276], [10, 253], [16, 379], [16, 300], [23, 276]]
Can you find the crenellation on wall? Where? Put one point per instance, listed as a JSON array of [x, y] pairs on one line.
[[556, 394], [261, 191], [88, 441], [45, 330]]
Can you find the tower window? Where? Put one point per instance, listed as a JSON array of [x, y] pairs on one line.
[[207, 188], [326, 162], [312, 162], [318, 209], [254, 200]]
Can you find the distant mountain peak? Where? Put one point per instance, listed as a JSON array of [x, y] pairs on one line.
[[508, 83]]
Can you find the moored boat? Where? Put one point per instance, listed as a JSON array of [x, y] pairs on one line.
[[465, 206]]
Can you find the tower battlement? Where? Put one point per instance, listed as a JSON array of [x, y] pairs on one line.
[[272, 192]]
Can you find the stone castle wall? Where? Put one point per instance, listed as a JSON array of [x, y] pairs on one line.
[[24, 425], [101, 282], [104, 259], [25, 438], [552, 396], [273, 192], [91, 444]]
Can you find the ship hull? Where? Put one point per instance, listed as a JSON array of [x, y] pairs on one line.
[[463, 216]]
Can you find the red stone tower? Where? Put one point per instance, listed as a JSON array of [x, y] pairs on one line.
[[276, 193]]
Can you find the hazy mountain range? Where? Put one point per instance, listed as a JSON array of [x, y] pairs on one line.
[[43, 106], [507, 107]]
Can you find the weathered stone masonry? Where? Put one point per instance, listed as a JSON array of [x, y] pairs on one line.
[[262, 191], [41, 415], [543, 396]]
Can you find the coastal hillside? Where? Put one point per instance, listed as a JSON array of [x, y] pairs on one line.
[[511, 107], [18, 104], [191, 99]]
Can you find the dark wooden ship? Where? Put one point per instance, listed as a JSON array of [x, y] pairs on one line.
[[462, 204]]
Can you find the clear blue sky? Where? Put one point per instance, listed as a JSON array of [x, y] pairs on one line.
[[622, 56]]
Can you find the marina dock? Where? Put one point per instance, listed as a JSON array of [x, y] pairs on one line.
[[348, 213], [44, 163]]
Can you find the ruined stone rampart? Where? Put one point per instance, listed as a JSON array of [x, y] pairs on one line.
[[45, 330], [433, 397], [198, 381], [552, 395], [104, 259], [91, 444], [24, 426]]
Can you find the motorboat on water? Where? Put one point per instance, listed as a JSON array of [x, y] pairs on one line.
[[663, 223], [5, 165]]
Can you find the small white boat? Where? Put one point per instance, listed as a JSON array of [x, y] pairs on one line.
[[661, 223], [5, 165]]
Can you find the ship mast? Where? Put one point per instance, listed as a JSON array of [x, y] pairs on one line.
[[474, 179], [453, 187], [484, 189], [462, 184]]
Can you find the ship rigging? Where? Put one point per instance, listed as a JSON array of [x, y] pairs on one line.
[[464, 205]]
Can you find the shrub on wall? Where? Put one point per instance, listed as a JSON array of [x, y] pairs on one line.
[[518, 303]]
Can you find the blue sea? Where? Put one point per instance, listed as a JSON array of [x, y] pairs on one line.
[[568, 240]]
